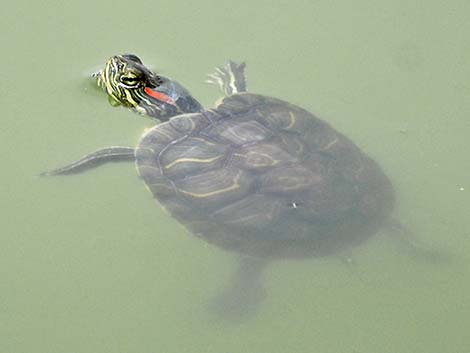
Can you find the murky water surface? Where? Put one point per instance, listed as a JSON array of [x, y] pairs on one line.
[[91, 264]]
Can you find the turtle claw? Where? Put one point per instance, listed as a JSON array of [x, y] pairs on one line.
[[221, 71], [230, 78], [213, 79]]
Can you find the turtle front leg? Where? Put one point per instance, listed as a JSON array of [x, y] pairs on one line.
[[230, 78], [94, 159]]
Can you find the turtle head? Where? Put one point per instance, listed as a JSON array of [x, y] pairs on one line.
[[128, 82]]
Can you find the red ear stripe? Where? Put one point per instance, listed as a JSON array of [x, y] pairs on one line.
[[159, 96]]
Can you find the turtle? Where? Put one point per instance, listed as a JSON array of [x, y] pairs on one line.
[[254, 175]]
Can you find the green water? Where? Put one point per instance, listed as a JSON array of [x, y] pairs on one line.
[[90, 264]]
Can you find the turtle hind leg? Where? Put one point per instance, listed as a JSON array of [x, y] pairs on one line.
[[93, 160], [408, 243], [230, 78], [244, 294]]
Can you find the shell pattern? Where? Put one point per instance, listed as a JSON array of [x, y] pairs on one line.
[[263, 177]]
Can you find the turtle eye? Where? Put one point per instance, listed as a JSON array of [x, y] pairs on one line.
[[130, 80]]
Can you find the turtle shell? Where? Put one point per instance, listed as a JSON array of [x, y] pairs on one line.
[[263, 177]]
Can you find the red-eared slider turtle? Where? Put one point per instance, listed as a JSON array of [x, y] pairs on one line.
[[255, 175]]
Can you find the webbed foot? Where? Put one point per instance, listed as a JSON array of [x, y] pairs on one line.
[[230, 78]]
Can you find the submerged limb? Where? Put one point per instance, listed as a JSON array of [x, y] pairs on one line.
[[244, 293], [94, 159], [414, 247], [230, 78]]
